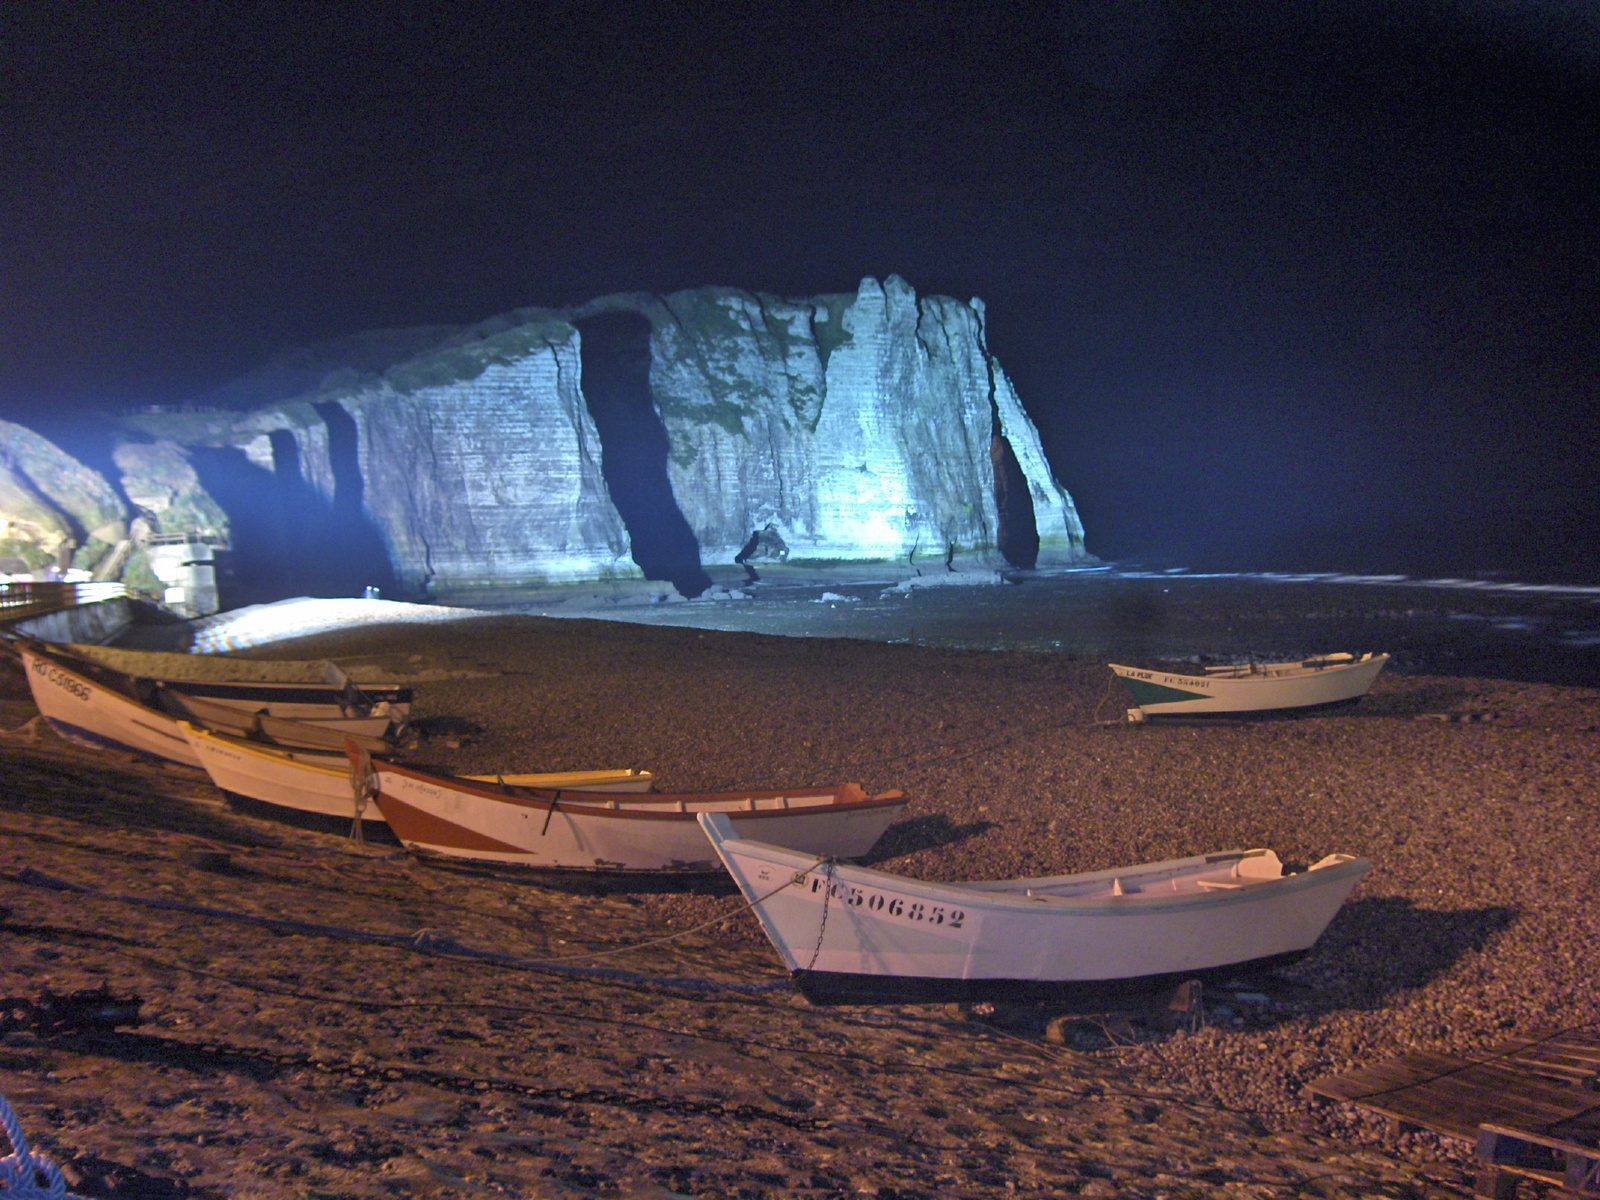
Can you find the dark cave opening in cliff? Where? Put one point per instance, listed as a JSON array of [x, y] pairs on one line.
[[1017, 537], [358, 557], [286, 539], [615, 356]]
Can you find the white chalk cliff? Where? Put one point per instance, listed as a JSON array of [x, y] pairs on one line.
[[848, 428], [859, 427]]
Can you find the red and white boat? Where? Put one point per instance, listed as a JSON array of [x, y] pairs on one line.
[[608, 832]]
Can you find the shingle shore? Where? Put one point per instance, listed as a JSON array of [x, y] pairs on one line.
[[277, 1064]]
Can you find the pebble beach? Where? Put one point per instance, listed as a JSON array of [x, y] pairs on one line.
[[367, 1057]]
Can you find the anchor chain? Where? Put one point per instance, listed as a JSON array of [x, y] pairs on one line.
[[827, 898]]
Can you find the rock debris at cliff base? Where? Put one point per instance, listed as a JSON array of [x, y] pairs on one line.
[[293, 1065]]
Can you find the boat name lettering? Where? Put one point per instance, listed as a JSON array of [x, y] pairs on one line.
[[60, 678], [893, 906], [1180, 681]]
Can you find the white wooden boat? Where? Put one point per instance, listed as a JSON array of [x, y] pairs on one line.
[[887, 936], [295, 691], [319, 782], [94, 708], [327, 733], [589, 831], [1250, 687]]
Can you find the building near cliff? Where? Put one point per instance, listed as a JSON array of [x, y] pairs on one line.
[[633, 435]]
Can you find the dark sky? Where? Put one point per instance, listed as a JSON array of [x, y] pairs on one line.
[[1305, 284]]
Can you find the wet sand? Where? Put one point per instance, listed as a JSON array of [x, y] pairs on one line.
[[292, 1062]]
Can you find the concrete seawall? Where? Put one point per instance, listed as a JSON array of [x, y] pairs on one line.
[[92, 623]]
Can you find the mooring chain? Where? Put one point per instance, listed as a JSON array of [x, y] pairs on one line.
[[827, 897]]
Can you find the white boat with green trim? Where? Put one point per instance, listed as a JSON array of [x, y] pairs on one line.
[[1250, 687], [851, 933]]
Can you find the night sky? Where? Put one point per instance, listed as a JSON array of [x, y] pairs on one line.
[[1308, 285]]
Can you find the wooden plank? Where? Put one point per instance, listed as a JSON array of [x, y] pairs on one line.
[[1504, 1149], [1454, 1096], [1459, 1114], [1389, 1075], [1585, 1048], [1408, 1071]]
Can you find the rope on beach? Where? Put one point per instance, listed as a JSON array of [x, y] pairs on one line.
[[434, 941], [797, 877], [25, 1175], [1111, 686], [25, 734]]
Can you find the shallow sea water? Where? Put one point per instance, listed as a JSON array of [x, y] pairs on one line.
[[1461, 627]]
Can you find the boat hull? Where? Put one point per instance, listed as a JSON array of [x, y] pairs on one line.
[[888, 935], [303, 781], [840, 987], [90, 714], [319, 732], [1165, 693], [298, 696], [319, 783], [585, 831]]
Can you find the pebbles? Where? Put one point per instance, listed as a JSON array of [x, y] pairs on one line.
[[288, 1065]]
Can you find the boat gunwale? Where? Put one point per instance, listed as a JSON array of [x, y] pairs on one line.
[[126, 683], [1375, 660], [276, 754], [608, 804]]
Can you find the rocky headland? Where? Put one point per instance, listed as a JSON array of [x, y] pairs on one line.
[[632, 435]]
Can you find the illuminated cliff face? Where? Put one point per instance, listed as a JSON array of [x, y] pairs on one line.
[[664, 432], [475, 464], [55, 513], [858, 427]]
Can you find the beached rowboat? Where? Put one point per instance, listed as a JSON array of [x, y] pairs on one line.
[[104, 708], [328, 736], [588, 831], [319, 782], [1251, 687], [847, 932], [326, 732], [296, 691], [323, 725], [89, 707]]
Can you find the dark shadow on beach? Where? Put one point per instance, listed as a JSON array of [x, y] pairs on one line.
[[1381, 945], [374, 830], [921, 833], [107, 798], [444, 727], [1442, 696], [589, 883]]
